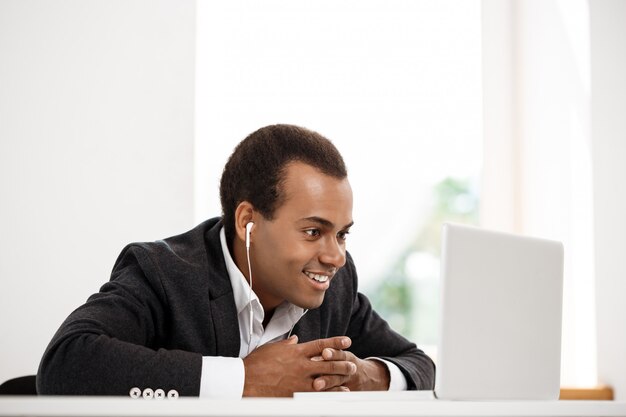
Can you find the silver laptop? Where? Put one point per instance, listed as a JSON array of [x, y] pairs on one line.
[[500, 320], [500, 323]]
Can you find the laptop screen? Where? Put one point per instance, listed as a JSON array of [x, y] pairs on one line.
[[500, 321]]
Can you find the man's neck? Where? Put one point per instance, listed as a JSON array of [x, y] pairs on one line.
[[268, 316]]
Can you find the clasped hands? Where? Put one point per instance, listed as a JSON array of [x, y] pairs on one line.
[[282, 368]]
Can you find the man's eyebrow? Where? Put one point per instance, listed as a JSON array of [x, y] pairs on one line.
[[326, 223]]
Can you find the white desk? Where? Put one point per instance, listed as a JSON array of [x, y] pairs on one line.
[[116, 406]]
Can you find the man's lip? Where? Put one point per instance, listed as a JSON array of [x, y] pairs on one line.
[[318, 285], [318, 273], [327, 274]]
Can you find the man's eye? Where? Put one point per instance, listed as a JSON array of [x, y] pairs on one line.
[[312, 232], [343, 235]]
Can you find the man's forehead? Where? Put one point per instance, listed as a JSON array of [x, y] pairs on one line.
[[305, 181], [307, 192]]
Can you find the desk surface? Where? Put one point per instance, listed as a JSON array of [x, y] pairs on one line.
[[117, 406]]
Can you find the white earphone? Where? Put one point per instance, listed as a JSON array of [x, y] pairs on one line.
[[248, 230]]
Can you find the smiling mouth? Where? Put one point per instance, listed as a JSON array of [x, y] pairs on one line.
[[317, 277]]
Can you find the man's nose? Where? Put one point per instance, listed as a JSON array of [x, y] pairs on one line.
[[333, 253]]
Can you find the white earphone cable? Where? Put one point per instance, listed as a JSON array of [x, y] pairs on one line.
[[250, 297]]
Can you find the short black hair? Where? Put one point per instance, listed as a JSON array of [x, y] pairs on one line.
[[256, 169]]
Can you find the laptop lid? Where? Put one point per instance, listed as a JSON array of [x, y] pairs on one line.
[[500, 316]]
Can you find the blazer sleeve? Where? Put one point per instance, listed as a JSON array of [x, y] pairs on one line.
[[372, 336], [111, 343]]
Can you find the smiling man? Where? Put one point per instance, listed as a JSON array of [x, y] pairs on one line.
[[260, 302]]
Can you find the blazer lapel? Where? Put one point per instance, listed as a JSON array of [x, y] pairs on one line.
[[225, 325], [308, 328], [221, 300]]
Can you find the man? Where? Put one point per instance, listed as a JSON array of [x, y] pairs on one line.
[[262, 302]]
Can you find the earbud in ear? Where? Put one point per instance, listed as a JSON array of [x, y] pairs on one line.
[[248, 230]]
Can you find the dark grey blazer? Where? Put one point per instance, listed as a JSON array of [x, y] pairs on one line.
[[170, 302]]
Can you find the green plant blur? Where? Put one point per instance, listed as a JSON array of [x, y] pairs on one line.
[[408, 295]]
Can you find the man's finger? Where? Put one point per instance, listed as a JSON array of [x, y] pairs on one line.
[[292, 340], [329, 354], [328, 382], [345, 368], [315, 347]]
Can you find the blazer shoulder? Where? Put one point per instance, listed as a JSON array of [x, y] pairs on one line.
[[189, 249]]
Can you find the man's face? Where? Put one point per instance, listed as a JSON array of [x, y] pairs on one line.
[[295, 255]]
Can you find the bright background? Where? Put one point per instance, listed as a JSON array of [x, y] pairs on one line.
[[397, 87], [116, 118]]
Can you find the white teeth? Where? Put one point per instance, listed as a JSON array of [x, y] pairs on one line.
[[316, 277]]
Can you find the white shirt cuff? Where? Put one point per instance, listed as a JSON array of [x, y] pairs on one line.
[[397, 381], [222, 377]]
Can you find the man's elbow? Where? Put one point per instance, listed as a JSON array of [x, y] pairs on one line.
[[59, 372], [50, 376]]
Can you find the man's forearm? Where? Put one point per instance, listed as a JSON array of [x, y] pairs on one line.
[[88, 364]]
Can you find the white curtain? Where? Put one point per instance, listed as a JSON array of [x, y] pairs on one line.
[[537, 177]]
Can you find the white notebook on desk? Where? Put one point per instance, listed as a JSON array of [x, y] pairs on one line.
[[500, 320], [367, 395]]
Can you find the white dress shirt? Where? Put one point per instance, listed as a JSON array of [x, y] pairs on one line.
[[223, 377]]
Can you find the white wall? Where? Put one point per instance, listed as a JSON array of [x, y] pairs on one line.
[[96, 150], [372, 92], [608, 72]]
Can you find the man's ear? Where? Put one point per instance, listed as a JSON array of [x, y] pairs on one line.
[[244, 214]]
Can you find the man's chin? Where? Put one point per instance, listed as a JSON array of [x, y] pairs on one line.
[[309, 304]]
